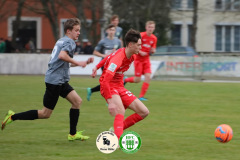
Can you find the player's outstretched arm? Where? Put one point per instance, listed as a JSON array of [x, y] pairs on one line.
[[83, 63], [99, 65], [96, 53], [63, 55], [94, 72]]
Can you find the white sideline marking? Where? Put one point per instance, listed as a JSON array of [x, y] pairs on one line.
[[220, 81]]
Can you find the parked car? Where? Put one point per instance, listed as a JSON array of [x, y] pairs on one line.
[[175, 51]]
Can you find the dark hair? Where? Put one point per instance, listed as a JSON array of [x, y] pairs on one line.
[[132, 36], [110, 26], [70, 23], [114, 17]]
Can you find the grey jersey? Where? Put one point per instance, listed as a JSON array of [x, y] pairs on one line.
[[106, 45], [118, 33], [58, 70]]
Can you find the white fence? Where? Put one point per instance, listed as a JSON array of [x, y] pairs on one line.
[[198, 67], [162, 66]]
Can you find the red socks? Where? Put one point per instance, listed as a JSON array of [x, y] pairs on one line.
[[129, 80], [144, 89], [131, 120], [118, 125]]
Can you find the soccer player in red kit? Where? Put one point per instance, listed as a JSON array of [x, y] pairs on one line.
[[112, 88], [142, 63]]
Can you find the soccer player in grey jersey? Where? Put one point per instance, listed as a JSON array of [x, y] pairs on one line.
[[56, 81], [115, 21], [105, 47]]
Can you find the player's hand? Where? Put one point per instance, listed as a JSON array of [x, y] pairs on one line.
[[82, 63], [94, 72], [143, 53], [153, 50], [90, 60]]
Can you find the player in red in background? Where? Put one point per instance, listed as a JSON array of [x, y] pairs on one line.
[[142, 62], [112, 88]]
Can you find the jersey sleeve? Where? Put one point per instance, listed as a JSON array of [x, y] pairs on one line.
[[69, 47], [66, 46], [155, 42], [102, 62]]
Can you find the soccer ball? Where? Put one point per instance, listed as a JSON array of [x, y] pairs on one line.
[[223, 133]]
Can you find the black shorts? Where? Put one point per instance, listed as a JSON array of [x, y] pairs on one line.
[[53, 92]]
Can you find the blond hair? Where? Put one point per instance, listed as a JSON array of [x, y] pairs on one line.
[[150, 22]]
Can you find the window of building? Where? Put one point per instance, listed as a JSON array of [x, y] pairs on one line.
[[62, 21], [190, 4], [176, 35], [29, 29], [218, 45], [237, 38], [176, 4], [236, 5], [227, 5], [218, 4], [189, 34], [227, 38]]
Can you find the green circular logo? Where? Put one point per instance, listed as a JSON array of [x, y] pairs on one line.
[[130, 142]]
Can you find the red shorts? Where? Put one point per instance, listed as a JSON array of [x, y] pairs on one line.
[[142, 67], [126, 96]]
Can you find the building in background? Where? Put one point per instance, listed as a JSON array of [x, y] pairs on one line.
[[218, 25], [36, 25]]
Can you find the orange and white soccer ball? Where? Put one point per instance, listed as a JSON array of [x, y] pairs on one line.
[[223, 133]]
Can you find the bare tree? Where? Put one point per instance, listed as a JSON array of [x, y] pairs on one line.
[[48, 8], [50, 11], [194, 26], [135, 13], [17, 21], [2, 4], [89, 24], [107, 8]]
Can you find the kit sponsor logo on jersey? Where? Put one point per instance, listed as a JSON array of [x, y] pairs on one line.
[[112, 67], [147, 45]]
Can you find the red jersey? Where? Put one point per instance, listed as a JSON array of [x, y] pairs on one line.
[[148, 42], [114, 66]]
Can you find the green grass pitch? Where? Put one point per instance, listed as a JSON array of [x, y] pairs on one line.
[[181, 124]]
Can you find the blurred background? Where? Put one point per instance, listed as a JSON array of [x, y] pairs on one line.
[[208, 30], [207, 26], [198, 40]]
